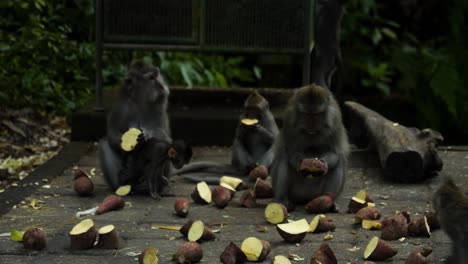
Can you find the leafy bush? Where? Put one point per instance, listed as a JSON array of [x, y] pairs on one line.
[[416, 49], [40, 66], [47, 58], [205, 69]]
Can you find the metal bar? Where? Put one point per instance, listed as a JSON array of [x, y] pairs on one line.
[[98, 26], [125, 46], [308, 36], [148, 39], [202, 23]]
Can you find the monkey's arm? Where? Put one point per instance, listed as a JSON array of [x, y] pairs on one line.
[[155, 152], [330, 158], [120, 120], [266, 136], [296, 158], [279, 173]]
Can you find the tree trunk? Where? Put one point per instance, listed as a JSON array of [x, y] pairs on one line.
[[406, 154]]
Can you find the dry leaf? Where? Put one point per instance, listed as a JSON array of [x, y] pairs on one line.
[[166, 227], [354, 249], [13, 127], [36, 204], [261, 228], [295, 257], [217, 230]]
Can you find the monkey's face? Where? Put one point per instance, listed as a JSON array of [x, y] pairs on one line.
[[314, 114], [252, 112], [155, 87], [183, 154], [147, 87], [312, 119]]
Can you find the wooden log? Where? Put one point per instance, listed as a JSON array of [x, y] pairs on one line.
[[406, 154]]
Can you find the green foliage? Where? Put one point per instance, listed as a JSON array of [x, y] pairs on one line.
[[205, 70], [406, 54], [367, 38], [40, 66], [47, 58]]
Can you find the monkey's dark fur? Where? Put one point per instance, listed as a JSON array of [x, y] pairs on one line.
[[142, 104], [312, 128], [253, 145], [451, 206]]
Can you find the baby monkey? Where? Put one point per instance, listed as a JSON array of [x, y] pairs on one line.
[[451, 207]]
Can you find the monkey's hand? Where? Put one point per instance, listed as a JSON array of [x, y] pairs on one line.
[[313, 168], [260, 171], [142, 139]]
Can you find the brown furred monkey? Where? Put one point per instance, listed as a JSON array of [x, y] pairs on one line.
[[142, 104], [252, 145], [451, 206], [313, 132]]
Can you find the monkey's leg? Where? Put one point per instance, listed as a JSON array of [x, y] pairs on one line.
[[154, 174], [165, 188], [458, 247], [267, 158], [111, 164], [241, 158], [279, 175]]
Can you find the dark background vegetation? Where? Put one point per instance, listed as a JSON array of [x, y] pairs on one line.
[[410, 51]]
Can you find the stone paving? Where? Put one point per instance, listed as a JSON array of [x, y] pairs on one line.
[[134, 223]]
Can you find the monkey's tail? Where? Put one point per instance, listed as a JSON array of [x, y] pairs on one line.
[[209, 167], [207, 171]]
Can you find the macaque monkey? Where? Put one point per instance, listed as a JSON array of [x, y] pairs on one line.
[[142, 104], [451, 206], [311, 149], [253, 143], [252, 147]]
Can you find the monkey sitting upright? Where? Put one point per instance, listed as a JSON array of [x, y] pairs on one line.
[[252, 147], [451, 207], [313, 133], [142, 104], [253, 144]]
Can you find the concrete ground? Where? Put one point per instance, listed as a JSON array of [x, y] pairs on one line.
[[58, 205]]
